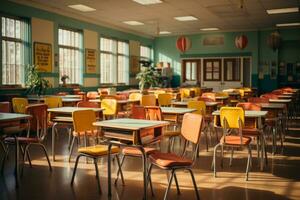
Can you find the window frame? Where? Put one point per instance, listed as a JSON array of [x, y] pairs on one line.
[[219, 60], [237, 63]]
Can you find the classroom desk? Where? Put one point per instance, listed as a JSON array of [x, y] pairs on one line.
[[63, 115], [5, 119], [132, 131], [258, 115]]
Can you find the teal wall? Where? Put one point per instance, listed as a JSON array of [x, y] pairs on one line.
[[165, 50]]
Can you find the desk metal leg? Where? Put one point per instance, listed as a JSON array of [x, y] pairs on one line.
[[53, 141], [17, 161], [109, 171], [145, 170]]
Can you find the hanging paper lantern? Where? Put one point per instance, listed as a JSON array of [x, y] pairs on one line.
[[183, 44], [241, 41], [274, 40]]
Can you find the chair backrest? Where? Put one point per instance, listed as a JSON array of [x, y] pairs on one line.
[[87, 104], [148, 100], [277, 92], [269, 96], [191, 127], [198, 105], [185, 93], [53, 102], [249, 106], [287, 89], [258, 100], [109, 106], [135, 96], [138, 112], [157, 92], [39, 121], [232, 117], [5, 106], [165, 99], [209, 95], [19, 105], [92, 95], [83, 120], [222, 94], [153, 113]]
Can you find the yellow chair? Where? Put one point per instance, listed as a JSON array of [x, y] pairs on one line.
[[222, 94], [157, 92], [135, 96], [197, 91], [165, 99], [185, 93], [83, 123], [148, 100], [233, 118], [19, 105], [110, 108], [53, 102]]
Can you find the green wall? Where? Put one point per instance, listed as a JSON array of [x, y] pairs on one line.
[[165, 50]]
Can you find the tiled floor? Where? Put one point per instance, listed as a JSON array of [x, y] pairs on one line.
[[281, 179]]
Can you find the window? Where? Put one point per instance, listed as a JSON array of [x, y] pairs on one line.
[[70, 54], [191, 70], [212, 69], [145, 52], [114, 61], [232, 68], [15, 50]]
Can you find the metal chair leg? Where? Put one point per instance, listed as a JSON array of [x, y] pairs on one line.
[[176, 182], [230, 161], [120, 169], [149, 179], [194, 183], [71, 149], [46, 154], [97, 176], [214, 160], [169, 185], [121, 164], [248, 162], [75, 168]]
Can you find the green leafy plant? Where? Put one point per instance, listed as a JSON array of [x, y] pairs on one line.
[[35, 83], [148, 76]]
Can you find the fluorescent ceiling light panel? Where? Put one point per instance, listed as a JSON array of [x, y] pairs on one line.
[[148, 2], [133, 23], [288, 24], [282, 10], [186, 18], [209, 29], [82, 8], [164, 32]]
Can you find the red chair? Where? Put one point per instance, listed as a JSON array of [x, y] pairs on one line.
[[269, 96], [87, 104], [190, 131], [5, 107], [138, 112], [258, 100], [209, 95]]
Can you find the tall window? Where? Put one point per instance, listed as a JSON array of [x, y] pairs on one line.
[[145, 52], [15, 51], [114, 61], [70, 54]]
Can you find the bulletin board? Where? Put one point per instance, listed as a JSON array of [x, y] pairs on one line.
[[90, 61], [43, 57]]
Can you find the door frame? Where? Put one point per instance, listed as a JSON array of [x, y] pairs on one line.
[[198, 69]]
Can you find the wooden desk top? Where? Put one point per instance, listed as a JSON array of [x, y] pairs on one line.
[[4, 117], [273, 105], [248, 113], [130, 124], [175, 110], [70, 110]]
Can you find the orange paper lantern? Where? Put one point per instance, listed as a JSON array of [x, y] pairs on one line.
[[183, 44]]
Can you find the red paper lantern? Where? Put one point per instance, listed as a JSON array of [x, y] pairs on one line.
[[241, 41], [274, 40], [183, 44]]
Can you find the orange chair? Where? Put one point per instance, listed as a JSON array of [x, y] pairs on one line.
[[190, 131], [38, 125], [258, 100], [233, 118], [5, 106], [164, 99], [269, 96], [148, 100], [53, 102], [209, 95], [249, 106], [87, 104]]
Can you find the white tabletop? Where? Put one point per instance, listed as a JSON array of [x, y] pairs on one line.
[[184, 103], [67, 100], [273, 105], [70, 110], [222, 97], [72, 96], [130, 124], [280, 100], [248, 113], [12, 116], [175, 110]]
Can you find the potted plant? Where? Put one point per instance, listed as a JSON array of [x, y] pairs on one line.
[[148, 76], [35, 83], [64, 80]]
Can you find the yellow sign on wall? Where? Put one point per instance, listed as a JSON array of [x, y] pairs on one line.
[[43, 57], [90, 60]]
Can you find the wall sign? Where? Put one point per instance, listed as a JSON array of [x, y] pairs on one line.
[[90, 60], [43, 57], [213, 40]]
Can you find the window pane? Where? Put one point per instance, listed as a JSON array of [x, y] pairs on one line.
[[70, 55], [193, 71], [145, 52]]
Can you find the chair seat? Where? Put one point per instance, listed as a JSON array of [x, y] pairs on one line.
[[251, 131], [87, 133], [98, 150], [171, 133], [22, 140], [137, 152], [169, 160], [235, 140]]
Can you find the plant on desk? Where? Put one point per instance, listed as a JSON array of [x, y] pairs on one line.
[[35, 83], [148, 76]]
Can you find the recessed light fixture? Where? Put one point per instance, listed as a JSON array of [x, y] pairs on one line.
[[288, 24], [148, 2], [81, 7], [209, 29], [282, 10], [133, 23], [164, 32], [186, 18]]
